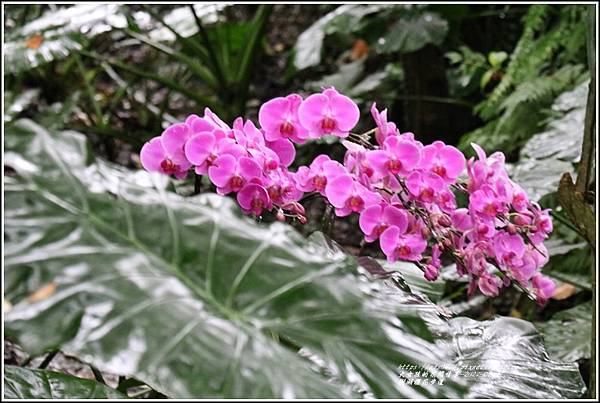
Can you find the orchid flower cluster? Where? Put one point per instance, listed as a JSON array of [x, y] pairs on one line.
[[404, 191]]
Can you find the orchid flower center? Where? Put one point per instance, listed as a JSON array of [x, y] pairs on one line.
[[440, 170], [427, 195], [236, 183], [490, 209], [210, 159], [257, 204], [367, 169], [379, 229], [169, 167], [271, 165], [328, 124], [404, 251], [320, 182], [355, 203], [274, 192], [286, 129], [507, 257], [288, 190], [394, 166]]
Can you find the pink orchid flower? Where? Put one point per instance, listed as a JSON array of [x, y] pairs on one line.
[[377, 218], [230, 174], [284, 149], [425, 186], [544, 287], [328, 113], [279, 118], [384, 128], [253, 198], [203, 148], [401, 246], [446, 161], [315, 177], [166, 153], [396, 157], [348, 196]]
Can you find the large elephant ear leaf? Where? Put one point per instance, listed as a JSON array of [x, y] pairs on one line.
[[505, 358], [26, 383], [195, 300]]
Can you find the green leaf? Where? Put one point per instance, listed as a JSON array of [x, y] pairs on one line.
[[182, 21], [343, 19], [572, 267], [415, 279], [14, 104], [497, 58], [26, 383], [549, 154], [413, 30], [194, 300], [485, 78], [568, 334], [342, 80]]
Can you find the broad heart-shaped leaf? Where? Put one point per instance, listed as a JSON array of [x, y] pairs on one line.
[[345, 18], [414, 29], [26, 383], [189, 297], [568, 334]]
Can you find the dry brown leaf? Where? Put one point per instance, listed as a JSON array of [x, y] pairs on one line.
[[34, 42], [360, 49], [42, 293], [564, 291]]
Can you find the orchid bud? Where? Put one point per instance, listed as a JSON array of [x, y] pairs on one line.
[[280, 216]]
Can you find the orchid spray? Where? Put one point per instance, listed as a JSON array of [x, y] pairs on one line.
[[404, 191]]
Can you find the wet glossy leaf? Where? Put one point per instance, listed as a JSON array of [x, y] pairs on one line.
[[573, 265], [26, 383], [344, 19], [189, 297], [17, 103], [342, 80], [547, 155], [568, 334], [186, 295], [413, 30], [504, 358], [182, 20], [416, 281]]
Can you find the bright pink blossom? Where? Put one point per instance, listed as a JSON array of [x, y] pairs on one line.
[[166, 153], [396, 157], [425, 186], [376, 218], [202, 149], [279, 118], [399, 246], [315, 177], [446, 161], [254, 198], [349, 196], [384, 128], [544, 287], [328, 113], [230, 174]]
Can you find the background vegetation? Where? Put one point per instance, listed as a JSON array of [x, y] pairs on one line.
[[106, 271]]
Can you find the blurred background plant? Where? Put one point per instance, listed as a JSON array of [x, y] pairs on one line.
[[512, 78]]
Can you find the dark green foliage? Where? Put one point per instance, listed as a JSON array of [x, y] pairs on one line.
[[549, 58]]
